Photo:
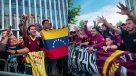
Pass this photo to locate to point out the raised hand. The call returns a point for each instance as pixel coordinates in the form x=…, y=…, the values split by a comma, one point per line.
x=31, y=16
x=24, y=19
x=124, y=9
x=95, y=23
x=101, y=19
x=85, y=22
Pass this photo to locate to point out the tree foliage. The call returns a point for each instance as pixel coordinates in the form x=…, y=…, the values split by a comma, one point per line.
x=72, y=12
x=119, y=23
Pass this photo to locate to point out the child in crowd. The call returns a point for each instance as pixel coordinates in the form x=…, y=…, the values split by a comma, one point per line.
x=109, y=45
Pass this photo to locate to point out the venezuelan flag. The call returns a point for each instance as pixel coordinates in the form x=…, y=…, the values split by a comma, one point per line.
x=55, y=43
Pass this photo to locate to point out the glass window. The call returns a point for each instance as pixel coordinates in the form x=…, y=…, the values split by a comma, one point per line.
x=66, y=9
x=38, y=19
x=65, y=3
x=0, y=22
x=38, y=11
x=26, y=10
x=20, y=3
x=37, y=4
x=5, y=1
x=20, y=7
x=20, y=11
x=48, y=13
x=57, y=6
x=12, y=1
x=47, y=4
x=58, y=19
x=38, y=8
x=54, y=22
x=32, y=11
x=43, y=5
x=43, y=12
x=26, y=3
x=0, y=8
x=6, y=21
x=52, y=7
x=15, y=33
x=32, y=3
x=14, y=23
x=6, y=9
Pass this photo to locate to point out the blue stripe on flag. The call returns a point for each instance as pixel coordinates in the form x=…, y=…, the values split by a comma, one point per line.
x=56, y=43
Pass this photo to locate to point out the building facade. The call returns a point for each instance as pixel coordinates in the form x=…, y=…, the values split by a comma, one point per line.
x=11, y=12
x=131, y=4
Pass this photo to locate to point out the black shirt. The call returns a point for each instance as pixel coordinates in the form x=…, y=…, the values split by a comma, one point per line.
x=129, y=41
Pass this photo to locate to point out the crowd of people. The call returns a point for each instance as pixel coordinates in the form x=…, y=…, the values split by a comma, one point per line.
x=30, y=40
x=107, y=36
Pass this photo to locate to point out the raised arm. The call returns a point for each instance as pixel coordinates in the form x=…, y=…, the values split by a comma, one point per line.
x=126, y=11
x=95, y=23
x=31, y=19
x=88, y=33
x=104, y=21
x=24, y=19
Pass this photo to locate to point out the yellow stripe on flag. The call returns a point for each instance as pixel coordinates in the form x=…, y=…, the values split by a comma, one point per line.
x=53, y=34
x=109, y=59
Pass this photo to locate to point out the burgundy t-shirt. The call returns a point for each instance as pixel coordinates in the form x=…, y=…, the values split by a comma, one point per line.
x=33, y=45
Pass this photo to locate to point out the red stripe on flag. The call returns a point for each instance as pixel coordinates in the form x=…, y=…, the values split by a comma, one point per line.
x=57, y=52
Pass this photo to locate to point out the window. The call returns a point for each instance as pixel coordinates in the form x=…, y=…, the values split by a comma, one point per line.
x=26, y=3
x=5, y=1
x=13, y=2
x=43, y=5
x=47, y=4
x=32, y=3
x=57, y=6
x=26, y=11
x=37, y=4
x=15, y=33
x=32, y=11
x=43, y=12
x=0, y=8
x=58, y=19
x=14, y=23
x=0, y=22
x=6, y=21
x=20, y=7
x=6, y=9
x=20, y=3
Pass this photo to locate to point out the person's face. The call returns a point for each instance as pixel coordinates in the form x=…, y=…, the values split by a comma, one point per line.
x=32, y=31
x=13, y=40
x=21, y=28
x=108, y=41
x=104, y=28
x=4, y=34
x=38, y=28
x=130, y=26
x=21, y=39
x=46, y=25
x=94, y=32
x=123, y=27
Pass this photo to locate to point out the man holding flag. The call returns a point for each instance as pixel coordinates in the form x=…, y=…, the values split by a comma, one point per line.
x=55, y=47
